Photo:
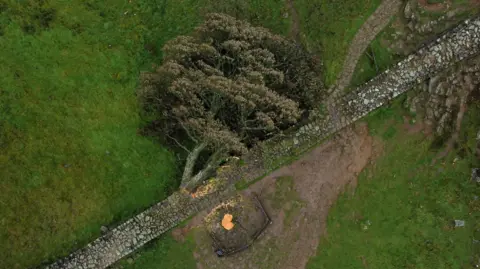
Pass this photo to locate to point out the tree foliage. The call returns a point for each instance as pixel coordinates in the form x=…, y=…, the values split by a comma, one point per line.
x=227, y=86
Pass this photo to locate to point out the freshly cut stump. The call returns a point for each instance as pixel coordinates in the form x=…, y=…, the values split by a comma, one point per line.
x=235, y=224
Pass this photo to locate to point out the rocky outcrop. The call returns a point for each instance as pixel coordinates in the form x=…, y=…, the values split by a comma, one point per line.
x=418, y=24
x=459, y=44
x=436, y=102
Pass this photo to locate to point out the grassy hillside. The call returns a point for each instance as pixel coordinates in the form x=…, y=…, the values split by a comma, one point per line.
x=165, y=252
x=401, y=214
x=328, y=27
x=70, y=156
x=71, y=159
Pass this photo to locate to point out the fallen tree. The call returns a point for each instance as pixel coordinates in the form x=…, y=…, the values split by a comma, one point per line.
x=226, y=87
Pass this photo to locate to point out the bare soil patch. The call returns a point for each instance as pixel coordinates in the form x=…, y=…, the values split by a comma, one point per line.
x=295, y=28
x=434, y=7
x=297, y=198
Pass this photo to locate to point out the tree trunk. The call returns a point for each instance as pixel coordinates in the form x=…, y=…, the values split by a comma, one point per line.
x=199, y=177
x=189, y=183
x=190, y=164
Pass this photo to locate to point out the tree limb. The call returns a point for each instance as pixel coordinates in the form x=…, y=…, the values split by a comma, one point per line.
x=256, y=128
x=179, y=144
x=208, y=171
x=187, y=131
x=190, y=163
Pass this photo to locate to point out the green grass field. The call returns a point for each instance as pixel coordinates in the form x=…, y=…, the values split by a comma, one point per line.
x=165, y=252
x=374, y=61
x=401, y=214
x=329, y=27
x=71, y=158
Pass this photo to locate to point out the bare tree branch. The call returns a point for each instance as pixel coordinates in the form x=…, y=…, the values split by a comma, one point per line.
x=190, y=163
x=256, y=128
x=179, y=144
x=187, y=131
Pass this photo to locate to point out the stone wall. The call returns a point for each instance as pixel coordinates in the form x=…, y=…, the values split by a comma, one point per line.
x=458, y=44
x=437, y=101
x=138, y=230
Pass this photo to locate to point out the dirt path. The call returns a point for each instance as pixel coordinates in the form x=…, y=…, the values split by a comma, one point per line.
x=365, y=35
x=295, y=28
x=434, y=7
x=298, y=198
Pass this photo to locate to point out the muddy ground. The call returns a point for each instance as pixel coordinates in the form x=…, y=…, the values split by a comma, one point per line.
x=298, y=198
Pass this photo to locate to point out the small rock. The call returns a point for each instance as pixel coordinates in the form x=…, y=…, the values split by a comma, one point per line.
x=130, y=261
x=459, y=223
x=476, y=175
x=407, y=12
x=295, y=141
x=104, y=229
x=66, y=165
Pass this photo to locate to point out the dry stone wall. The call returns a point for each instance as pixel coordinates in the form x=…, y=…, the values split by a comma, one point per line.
x=137, y=231
x=437, y=101
x=458, y=44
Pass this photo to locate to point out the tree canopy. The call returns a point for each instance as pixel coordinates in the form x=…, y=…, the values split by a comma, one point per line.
x=227, y=86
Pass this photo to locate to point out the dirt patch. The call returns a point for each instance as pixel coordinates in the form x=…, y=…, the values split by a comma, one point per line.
x=295, y=28
x=434, y=7
x=297, y=198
